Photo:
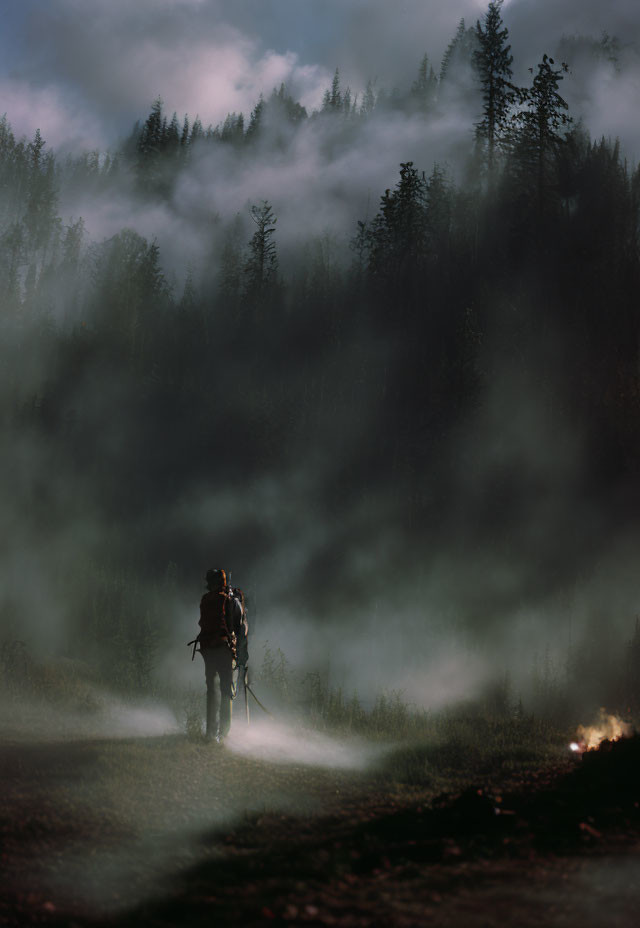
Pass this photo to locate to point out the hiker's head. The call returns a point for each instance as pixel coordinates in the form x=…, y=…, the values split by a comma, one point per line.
x=216, y=578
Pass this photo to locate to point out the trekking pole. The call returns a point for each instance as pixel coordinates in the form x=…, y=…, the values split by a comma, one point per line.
x=264, y=709
x=246, y=698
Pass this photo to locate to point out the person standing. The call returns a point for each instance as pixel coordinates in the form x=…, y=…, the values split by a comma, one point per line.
x=223, y=645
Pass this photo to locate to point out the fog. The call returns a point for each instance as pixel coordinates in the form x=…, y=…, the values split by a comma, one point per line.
x=283, y=743
x=274, y=300
x=110, y=717
x=511, y=554
x=211, y=57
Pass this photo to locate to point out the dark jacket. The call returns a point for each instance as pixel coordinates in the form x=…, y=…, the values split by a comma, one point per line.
x=223, y=622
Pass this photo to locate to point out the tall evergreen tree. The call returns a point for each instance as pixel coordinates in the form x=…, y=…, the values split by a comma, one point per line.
x=425, y=87
x=42, y=199
x=285, y=105
x=184, y=135
x=368, y=104
x=439, y=209
x=151, y=135
x=538, y=136
x=197, y=132
x=255, y=120
x=14, y=172
x=150, y=145
x=232, y=129
x=493, y=60
x=459, y=52
x=131, y=289
x=347, y=102
x=260, y=271
x=397, y=237
x=171, y=141
x=332, y=102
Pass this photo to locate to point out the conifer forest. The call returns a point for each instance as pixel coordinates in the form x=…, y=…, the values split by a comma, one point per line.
x=423, y=398
x=359, y=325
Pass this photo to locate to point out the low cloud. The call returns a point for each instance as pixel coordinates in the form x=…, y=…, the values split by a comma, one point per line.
x=105, y=64
x=63, y=117
x=87, y=70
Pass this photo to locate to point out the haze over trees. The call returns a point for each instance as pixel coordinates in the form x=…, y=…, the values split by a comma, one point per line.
x=459, y=374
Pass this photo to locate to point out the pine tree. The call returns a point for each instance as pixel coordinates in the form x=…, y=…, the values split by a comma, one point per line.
x=11, y=181
x=397, y=237
x=541, y=124
x=346, y=102
x=231, y=130
x=42, y=199
x=493, y=62
x=171, y=140
x=424, y=88
x=197, y=132
x=149, y=146
x=184, y=135
x=332, y=101
x=336, y=94
x=255, y=120
x=458, y=51
x=368, y=104
x=131, y=287
x=7, y=143
x=151, y=134
x=439, y=209
x=284, y=105
x=260, y=271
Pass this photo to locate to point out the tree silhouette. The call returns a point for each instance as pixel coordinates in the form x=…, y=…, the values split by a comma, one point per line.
x=493, y=61
x=425, y=87
x=541, y=124
x=260, y=271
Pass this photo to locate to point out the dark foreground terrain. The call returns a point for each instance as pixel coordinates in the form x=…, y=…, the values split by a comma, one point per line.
x=170, y=831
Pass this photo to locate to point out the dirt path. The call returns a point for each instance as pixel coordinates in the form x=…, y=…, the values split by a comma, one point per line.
x=96, y=826
x=164, y=831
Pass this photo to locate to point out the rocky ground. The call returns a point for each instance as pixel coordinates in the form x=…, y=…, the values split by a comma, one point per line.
x=290, y=827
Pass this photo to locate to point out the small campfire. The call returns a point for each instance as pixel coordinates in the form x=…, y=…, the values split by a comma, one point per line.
x=607, y=727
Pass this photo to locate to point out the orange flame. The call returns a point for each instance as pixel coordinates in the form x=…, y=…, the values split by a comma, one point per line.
x=607, y=727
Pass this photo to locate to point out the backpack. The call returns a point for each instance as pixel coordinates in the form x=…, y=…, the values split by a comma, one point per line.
x=215, y=621
x=240, y=625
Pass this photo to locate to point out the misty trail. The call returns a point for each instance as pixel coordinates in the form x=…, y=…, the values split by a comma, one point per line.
x=165, y=829
x=115, y=718
x=281, y=743
x=120, y=806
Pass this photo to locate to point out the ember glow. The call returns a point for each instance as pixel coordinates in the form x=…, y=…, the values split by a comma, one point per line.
x=606, y=728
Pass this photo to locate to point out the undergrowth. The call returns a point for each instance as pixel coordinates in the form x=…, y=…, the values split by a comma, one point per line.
x=492, y=734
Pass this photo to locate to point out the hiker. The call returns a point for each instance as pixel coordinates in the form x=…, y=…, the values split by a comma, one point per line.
x=223, y=645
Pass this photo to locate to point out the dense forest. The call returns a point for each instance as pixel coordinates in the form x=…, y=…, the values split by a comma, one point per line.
x=431, y=417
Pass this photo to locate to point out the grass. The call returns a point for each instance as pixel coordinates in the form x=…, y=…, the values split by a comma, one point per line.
x=465, y=745
x=491, y=736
